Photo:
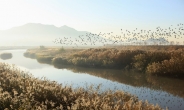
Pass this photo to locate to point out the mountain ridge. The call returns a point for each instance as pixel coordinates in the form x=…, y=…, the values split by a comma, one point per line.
x=38, y=32
x=35, y=34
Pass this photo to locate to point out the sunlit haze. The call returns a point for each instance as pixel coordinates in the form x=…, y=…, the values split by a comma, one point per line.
x=93, y=16
x=92, y=54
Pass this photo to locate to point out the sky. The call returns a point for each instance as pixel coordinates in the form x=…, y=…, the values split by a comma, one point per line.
x=92, y=15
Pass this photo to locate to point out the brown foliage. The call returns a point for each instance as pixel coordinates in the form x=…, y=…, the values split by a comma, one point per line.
x=19, y=90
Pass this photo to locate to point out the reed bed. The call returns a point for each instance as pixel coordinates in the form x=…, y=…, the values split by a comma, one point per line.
x=20, y=90
x=170, y=67
x=157, y=60
x=98, y=58
x=44, y=59
x=30, y=55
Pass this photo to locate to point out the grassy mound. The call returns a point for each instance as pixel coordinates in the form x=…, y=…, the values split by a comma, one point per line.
x=19, y=90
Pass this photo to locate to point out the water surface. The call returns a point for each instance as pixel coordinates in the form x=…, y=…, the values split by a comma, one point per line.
x=167, y=92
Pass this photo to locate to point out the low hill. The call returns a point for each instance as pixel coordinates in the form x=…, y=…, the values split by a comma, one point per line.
x=33, y=34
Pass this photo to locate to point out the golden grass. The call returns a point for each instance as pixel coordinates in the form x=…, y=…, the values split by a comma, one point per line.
x=19, y=90
x=44, y=59
x=154, y=60
x=173, y=66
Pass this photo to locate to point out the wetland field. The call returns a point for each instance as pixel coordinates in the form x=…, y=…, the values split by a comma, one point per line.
x=91, y=55
x=95, y=78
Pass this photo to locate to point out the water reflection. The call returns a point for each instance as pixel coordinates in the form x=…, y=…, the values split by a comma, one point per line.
x=151, y=88
x=126, y=77
x=173, y=86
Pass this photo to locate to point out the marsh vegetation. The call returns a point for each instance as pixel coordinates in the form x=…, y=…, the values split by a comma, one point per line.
x=20, y=90
x=157, y=90
x=153, y=60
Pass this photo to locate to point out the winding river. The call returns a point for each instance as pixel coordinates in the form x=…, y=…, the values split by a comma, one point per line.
x=167, y=92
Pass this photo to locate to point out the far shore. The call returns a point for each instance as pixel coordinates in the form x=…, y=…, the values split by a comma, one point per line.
x=152, y=60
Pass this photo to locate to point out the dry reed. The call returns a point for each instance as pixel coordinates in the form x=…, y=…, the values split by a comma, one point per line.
x=20, y=90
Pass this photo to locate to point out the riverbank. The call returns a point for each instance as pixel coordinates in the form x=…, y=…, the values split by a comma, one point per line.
x=19, y=90
x=153, y=60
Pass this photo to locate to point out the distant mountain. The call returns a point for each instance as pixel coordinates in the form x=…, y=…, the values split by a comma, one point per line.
x=66, y=28
x=34, y=34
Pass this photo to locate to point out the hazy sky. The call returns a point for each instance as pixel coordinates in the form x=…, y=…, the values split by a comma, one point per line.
x=92, y=15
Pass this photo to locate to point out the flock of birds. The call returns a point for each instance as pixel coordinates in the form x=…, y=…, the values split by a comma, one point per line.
x=136, y=37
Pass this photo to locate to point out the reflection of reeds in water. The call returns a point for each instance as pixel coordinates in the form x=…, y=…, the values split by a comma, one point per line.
x=6, y=56
x=122, y=76
x=19, y=90
x=132, y=78
x=173, y=86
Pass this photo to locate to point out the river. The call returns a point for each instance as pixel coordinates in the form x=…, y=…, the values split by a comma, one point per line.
x=167, y=92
